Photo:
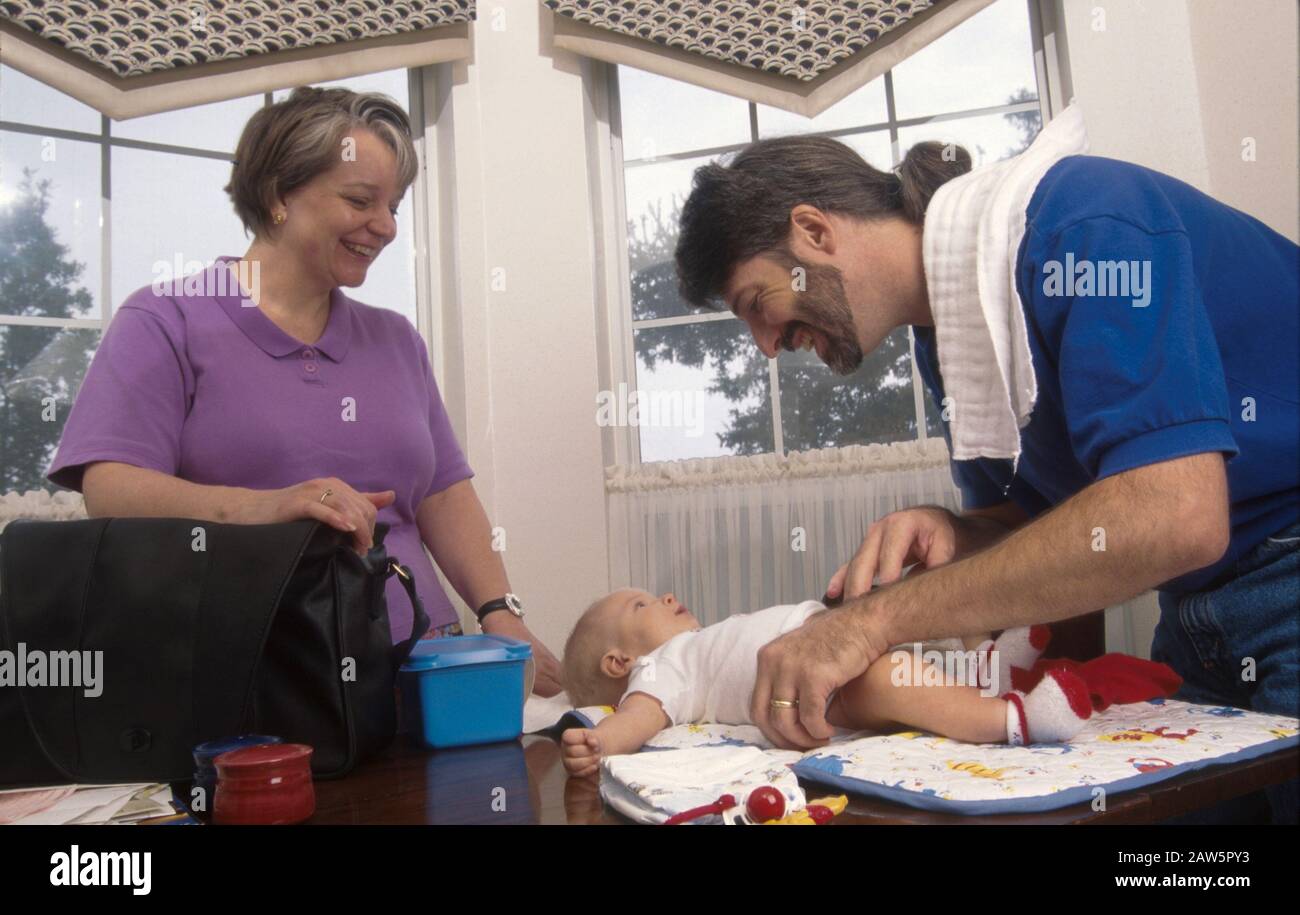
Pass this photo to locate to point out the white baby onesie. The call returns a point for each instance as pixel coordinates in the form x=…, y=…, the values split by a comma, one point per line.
x=707, y=675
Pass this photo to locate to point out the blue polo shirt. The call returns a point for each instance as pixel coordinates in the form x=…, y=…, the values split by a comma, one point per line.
x=1189, y=347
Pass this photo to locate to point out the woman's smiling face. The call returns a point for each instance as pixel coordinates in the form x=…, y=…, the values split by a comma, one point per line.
x=340, y=220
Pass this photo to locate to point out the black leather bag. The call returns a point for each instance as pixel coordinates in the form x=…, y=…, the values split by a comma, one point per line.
x=206, y=630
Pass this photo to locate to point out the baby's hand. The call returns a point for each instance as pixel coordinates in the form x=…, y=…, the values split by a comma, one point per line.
x=581, y=751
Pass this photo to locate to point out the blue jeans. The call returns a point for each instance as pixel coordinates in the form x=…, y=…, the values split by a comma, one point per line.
x=1206, y=636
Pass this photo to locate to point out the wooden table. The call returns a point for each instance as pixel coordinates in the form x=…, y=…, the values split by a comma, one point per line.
x=524, y=782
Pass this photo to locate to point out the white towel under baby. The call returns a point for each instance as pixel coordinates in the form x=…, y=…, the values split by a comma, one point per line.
x=651, y=786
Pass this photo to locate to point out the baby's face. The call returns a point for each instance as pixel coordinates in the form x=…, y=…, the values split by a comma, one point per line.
x=640, y=622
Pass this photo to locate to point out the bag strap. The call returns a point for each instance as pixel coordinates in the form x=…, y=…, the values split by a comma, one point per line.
x=419, y=620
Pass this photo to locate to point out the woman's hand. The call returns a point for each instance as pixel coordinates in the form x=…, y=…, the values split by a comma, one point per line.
x=927, y=535
x=549, y=679
x=344, y=508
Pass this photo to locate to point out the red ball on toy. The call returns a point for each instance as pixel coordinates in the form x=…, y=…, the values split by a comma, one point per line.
x=765, y=804
x=820, y=815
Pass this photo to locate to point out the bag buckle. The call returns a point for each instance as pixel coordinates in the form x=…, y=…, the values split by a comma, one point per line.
x=395, y=566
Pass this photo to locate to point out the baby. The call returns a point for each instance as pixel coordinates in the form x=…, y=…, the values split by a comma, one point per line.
x=649, y=656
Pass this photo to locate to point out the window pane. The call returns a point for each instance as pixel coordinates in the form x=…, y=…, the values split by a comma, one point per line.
x=663, y=116
x=70, y=211
x=215, y=126
x=390, y=281
x=655, y=194
x=152, y=232
x=702, y=392
x=29, y=101
x=864, y=106
x=820, y=409
x=982, y=62
x=37, y=363
x=987, y=138
x=873, y=147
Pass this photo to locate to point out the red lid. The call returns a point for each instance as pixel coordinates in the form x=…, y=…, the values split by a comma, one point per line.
x=269, y=756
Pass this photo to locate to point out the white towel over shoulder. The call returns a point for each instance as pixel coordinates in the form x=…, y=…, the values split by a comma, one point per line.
x=973, y=228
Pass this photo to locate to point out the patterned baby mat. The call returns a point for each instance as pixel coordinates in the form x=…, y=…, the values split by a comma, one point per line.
x=1121, y=749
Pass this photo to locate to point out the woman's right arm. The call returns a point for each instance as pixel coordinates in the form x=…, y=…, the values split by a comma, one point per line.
x=114, y=489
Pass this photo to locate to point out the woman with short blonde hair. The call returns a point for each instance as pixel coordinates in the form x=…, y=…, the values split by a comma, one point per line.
x=257, y=392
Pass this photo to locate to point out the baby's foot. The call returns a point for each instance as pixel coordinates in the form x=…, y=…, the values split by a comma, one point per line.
x=1019, y=647
x=1054, y=710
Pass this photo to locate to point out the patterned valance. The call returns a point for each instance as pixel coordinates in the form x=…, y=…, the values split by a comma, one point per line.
x=799, y=40
x=801, y=55
x=128, y=57
x=131, y=37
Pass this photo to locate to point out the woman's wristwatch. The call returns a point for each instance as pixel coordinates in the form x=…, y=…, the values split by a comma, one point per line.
x=509, y=602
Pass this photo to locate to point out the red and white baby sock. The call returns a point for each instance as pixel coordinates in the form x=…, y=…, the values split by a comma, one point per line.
x=1053, y=711
x=1019, y=647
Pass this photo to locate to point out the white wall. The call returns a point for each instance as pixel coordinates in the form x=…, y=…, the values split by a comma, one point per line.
x=1176, y=85
x=1245, y=55
x=515, y=343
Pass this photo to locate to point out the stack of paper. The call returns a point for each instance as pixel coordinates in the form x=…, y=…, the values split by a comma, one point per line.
x=84, y=804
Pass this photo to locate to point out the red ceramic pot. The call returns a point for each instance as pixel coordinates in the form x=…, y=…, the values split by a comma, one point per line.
x=264, y=786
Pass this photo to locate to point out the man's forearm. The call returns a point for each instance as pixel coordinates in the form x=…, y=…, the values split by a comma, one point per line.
x=975, y=532
x=1115, y=539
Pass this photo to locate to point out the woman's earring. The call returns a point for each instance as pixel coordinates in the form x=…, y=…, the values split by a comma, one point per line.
x=279, y=218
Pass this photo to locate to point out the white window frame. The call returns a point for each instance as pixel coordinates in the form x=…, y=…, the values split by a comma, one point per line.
x=623, y=444
x=107, y=142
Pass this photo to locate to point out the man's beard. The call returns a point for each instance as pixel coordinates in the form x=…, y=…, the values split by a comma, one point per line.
x=824, y=306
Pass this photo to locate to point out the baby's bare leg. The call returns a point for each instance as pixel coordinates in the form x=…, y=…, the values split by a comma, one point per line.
x=872, y=701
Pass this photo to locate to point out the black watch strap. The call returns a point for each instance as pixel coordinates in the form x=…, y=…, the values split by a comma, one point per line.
x=501, y=603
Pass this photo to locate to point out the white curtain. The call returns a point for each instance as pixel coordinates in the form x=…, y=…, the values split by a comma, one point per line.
x=41, y=505
x=731, y=535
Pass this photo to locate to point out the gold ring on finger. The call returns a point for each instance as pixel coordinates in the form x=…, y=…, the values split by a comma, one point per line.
x=325, y=495
x=784, y=703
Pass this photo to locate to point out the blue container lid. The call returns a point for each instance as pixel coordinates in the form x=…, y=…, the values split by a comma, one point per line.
x=460, y=650
x=205, y=753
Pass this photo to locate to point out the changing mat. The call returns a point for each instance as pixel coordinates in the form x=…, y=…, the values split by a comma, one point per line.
x=1121, y=749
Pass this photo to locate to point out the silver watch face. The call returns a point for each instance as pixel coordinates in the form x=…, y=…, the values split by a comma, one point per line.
x=515, y=604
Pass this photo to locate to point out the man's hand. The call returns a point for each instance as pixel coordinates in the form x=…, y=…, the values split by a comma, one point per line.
x=927, y=534
x=807, y=665
x=550, y=677
x=581, y=751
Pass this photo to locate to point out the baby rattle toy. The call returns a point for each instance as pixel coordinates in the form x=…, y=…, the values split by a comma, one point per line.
x=765, y=805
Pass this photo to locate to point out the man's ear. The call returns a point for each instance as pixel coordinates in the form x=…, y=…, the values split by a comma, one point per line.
x=811, y=230
x=616, y=664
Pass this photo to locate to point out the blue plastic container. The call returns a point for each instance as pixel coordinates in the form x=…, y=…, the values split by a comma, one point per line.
x=464, y=690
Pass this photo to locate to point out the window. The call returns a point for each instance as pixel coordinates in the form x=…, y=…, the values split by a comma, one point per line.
x=975, y=86
x=148, y=191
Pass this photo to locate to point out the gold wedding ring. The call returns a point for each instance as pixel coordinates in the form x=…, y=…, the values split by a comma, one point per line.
x=784, y=703
x=325, y=495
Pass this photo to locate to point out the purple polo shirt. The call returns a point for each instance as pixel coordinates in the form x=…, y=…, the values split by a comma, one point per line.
x=202, y=387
